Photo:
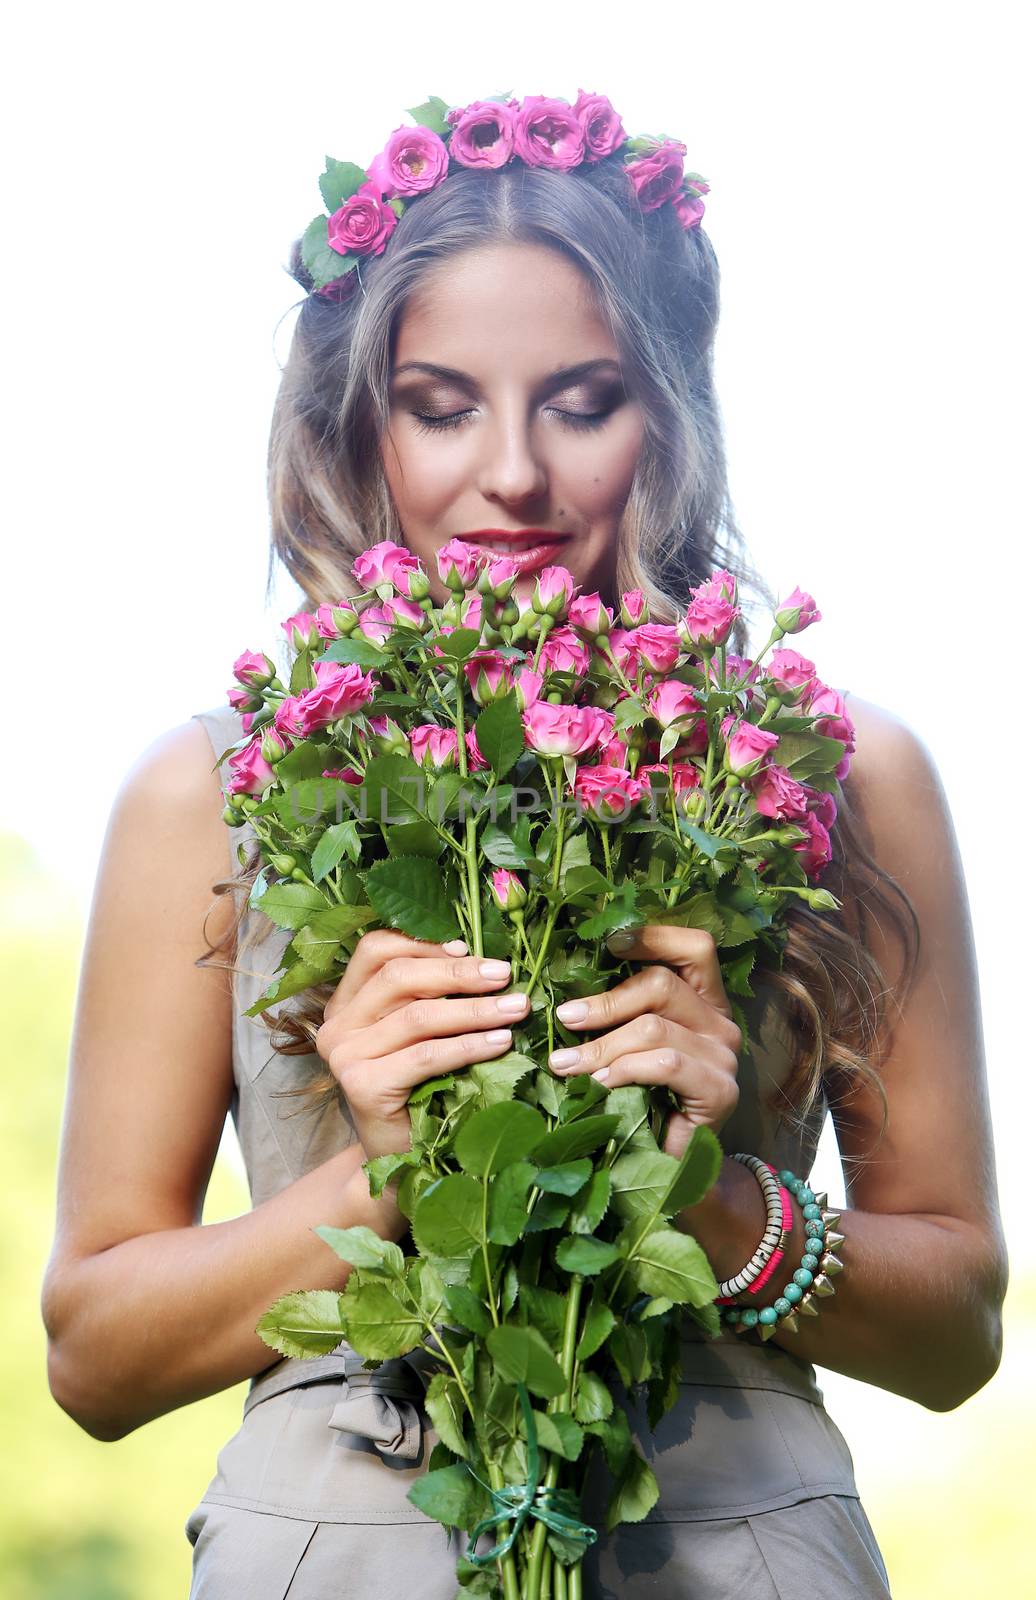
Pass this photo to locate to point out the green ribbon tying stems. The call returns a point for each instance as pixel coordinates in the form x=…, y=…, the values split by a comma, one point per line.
x=558, y=1508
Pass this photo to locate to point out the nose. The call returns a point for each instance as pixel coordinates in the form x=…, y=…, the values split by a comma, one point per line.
x=512, y=471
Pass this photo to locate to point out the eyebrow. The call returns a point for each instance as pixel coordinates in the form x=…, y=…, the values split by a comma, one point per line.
x=582, y=369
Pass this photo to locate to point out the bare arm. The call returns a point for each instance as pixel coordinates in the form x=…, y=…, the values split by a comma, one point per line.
x=917, y=1309
x=145, y=1310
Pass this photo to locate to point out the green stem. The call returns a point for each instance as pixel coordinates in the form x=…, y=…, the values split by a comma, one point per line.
x=559, y=1402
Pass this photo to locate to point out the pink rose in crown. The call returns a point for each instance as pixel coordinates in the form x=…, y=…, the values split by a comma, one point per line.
x=385, y=562
x=433, y=747
x=689, y=208
x=778, y=795
x=547, y=133
x=747, y=748
x=249, y=773
x=340, y=690
x=815, y=849
x=553, y=730
x=483, y=134
x=657, y=177
x=601, y=124
x=564, y=651
x=361, y=226
x=413, y=161
x=607, y=792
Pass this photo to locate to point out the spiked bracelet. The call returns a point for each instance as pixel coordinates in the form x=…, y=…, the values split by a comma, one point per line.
x=811, y=1281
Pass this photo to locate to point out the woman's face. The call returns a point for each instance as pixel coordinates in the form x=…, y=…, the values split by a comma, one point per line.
x=508, y=414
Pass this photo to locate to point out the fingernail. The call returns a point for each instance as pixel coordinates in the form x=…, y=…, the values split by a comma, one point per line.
x=456, y=947
x=511, y=1002
x=601, y=1074
x=495, y=969
x=563, y=1058
x=619, y=941
x=498, y=1036
x=573, y=1011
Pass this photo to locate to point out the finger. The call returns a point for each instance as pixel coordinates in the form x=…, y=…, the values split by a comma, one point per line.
x=659, y=990
x=668, y=1044
x=434, y=1018
x=404, y=1069
x=376, y=949
x=691, y=951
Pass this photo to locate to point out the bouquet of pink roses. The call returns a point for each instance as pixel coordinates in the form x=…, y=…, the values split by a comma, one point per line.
x=531, y=781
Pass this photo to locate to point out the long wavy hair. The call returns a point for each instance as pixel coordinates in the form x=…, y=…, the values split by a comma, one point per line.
x=657, y=286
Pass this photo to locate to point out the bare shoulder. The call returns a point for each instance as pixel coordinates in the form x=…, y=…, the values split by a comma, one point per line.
x=896, y=787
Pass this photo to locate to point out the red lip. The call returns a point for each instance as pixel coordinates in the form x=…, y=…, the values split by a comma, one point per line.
x=543, y=535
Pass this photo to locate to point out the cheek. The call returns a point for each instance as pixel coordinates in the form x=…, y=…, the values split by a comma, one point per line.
x=598, y=476
x=421, y=474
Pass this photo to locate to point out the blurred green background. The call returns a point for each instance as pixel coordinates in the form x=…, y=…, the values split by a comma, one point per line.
x=948, y=1495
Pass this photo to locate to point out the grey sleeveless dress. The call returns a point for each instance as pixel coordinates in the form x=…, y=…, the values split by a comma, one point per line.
x=308, y=1502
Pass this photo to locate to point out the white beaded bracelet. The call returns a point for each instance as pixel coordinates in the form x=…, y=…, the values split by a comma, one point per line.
x=773, y=1238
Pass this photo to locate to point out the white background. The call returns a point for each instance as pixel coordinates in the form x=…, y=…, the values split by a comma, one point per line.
x=870, y=206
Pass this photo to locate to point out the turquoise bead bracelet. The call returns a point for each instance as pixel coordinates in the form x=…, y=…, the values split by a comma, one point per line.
x=811, y=1280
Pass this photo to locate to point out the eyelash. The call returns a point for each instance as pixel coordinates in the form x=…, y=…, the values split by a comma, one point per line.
x=571, y=419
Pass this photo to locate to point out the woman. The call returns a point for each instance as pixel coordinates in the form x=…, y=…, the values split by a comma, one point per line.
x=519, y=349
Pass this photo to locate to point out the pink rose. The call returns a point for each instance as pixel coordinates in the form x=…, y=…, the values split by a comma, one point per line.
x=340, y=690
x=657, y=177
x=672, y=701
x=249, y=773
x=791, y=674
x=343, y=774
x=657, y=644
x=601, y=124
x=615, y=752
x=362, y=225
x=738, y=668
x=547, y=133
x=710, y=615
x=376, y=623
x=483, y=134
x=289, y=718
x=777, y=794
x=833, y=721
x=553, y=730
x=633, y=611
x=528, y=686
x=498, y=576
x=254, y=669
x=815, y=849
x=433, y=747
x=797, y=612
x=339, y=290
x=413, y=161
x=385, y=562
x=507, y=889
x=243, y=702
x=564, y=651
x=459, y=563
x=825, y=806
x=488, y=675
x=405, y=613
x=747, y=747
x=606, y=792
x=476, y=760
x=553, y=591
x=590, y=616
x=302, y=631
x=689, y=208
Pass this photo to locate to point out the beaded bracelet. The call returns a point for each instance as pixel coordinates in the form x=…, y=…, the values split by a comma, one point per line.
x=772, y=1245
x=810, y=1281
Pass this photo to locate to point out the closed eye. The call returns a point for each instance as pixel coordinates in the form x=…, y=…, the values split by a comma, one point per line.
x=569, y=419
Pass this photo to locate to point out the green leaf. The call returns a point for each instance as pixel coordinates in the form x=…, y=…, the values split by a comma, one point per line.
x=450, y=1496
x=669, y=1263
x=508, y=1202
x=591, y=1203
x=615, y=1436
x=545, y=1309
x=580, y=1252
x=521, y=1355
x=359, y=651
x=631, y=1104
x=305, y=1323
x=495, y=1080
x=258, y=889
x=339, y=182
x=508, y=847
x=710, y=844
x=447, y=1219
x=566, y=1179
x=432, y=114
x=467, y=1309
x=298, y=977
x=376, y=1322
x=736, y=973
x=598, y=1324
x=322, y=263
x=415, y=839
x=634, y=1494
x=550, y=1211
x=381, y=1170
x=291, y=905
x=319, y=943
x=805, y=754
x=444, y=1405
x=696, y=1171
x=408, y=892
x=459, y=645
x=333, y=844
x=574, y=1139
x=314, y=802
x=640, y=1181
x=493, y=1138
x=395, y=790
x=558, y=1431
x=362, y=1247
x=500, y=732
x=593, y=1399
x=628, y=1348
x=302, y=677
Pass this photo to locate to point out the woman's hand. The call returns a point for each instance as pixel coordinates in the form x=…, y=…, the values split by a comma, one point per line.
x=387, y=1028
x=675, y=1027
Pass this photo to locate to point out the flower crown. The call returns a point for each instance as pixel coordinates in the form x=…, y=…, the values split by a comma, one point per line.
x=363, y=207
